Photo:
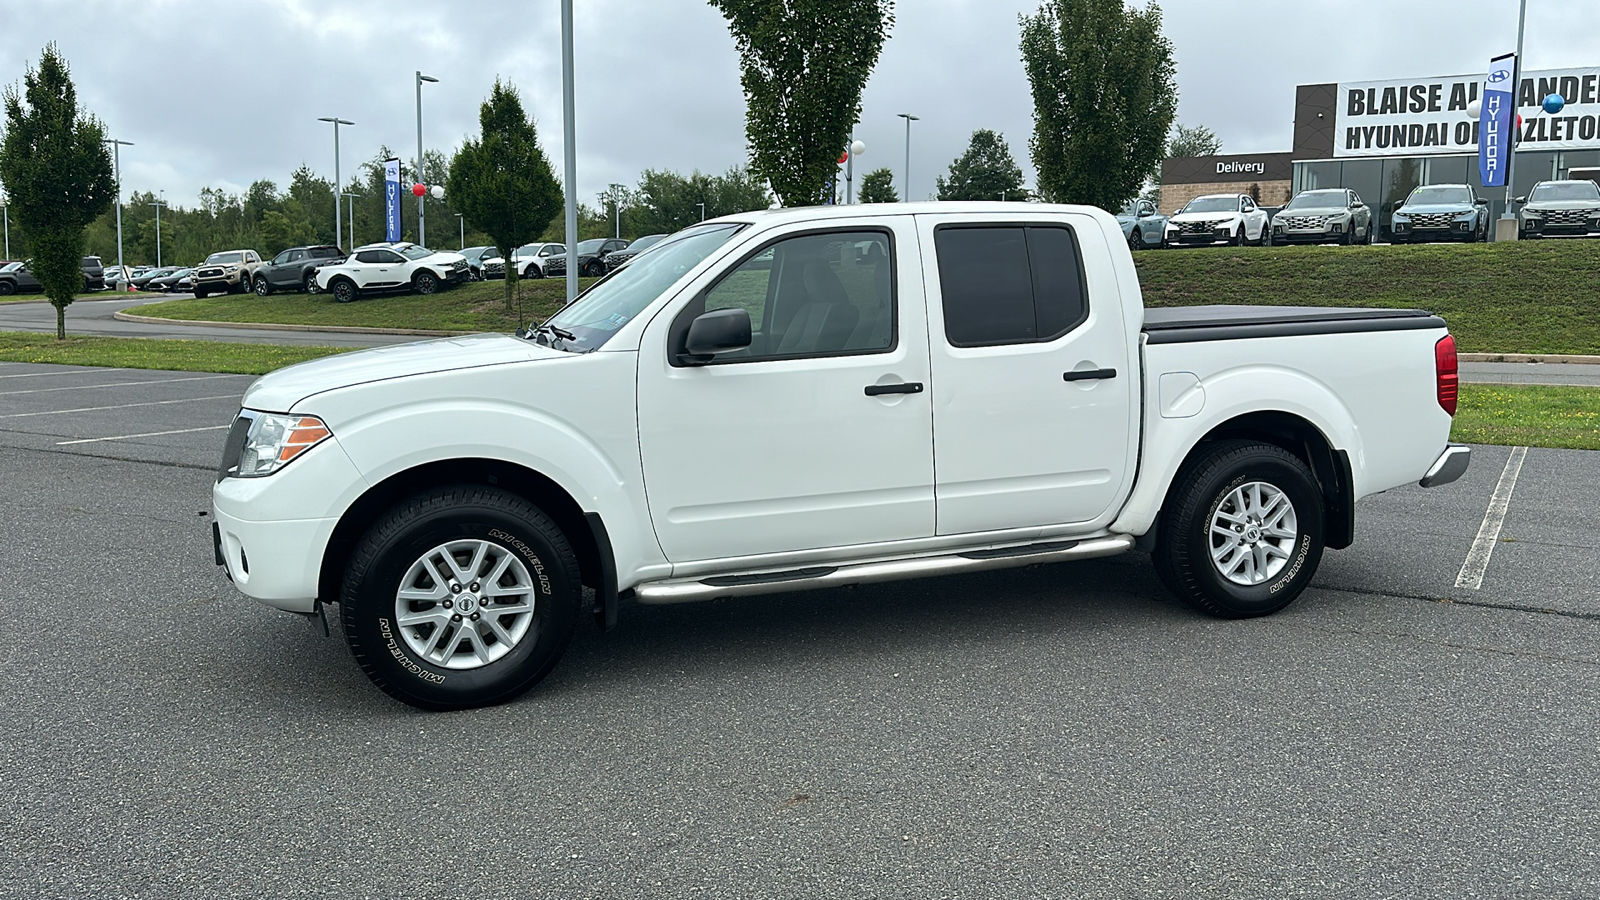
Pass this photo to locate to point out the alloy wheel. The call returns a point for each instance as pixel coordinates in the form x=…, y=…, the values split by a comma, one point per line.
x=465, y=604
x=1253, y=533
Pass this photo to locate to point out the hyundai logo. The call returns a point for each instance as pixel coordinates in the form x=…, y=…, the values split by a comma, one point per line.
x=1498, y=76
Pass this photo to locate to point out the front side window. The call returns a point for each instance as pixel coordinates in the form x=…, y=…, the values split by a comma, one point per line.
x=809, y=295
x=281, y=258
x=1009, y=284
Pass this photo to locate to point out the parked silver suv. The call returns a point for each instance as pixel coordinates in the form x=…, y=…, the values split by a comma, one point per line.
x=1317, y=217
x=1559, y=207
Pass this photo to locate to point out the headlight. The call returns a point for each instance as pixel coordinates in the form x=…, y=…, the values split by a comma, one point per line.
x=230, y=269
x=272, y=441
x=1532, y=213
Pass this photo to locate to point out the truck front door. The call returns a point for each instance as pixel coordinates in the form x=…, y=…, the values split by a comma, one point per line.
x=1035, y=376
x=820, y=434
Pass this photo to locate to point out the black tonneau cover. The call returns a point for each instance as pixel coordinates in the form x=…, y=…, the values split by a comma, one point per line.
x=1187, y=324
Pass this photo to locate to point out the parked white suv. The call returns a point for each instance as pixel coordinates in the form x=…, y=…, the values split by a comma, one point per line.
x=531, y=260
x=756, y=405
x=401, y=266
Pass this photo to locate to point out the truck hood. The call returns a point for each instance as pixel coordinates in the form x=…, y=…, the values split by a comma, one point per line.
x=279, y=391
x=1428, y=209
x=1561, y=204
x=1313, y=211
x=1204, y=217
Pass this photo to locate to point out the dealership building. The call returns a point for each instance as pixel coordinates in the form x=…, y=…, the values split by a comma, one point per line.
x=1384, y=138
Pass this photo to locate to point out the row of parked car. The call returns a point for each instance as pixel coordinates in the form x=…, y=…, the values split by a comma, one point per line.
x=596, y=257
x=1435, y=212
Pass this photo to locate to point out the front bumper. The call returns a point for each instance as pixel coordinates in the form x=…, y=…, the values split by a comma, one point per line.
x=1450, y=465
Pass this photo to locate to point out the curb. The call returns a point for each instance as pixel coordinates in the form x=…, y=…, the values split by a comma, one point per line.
x=124, y=316
x=1567, y=358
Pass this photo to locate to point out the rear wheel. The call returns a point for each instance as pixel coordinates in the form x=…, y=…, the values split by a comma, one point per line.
x=344, y=290
x=462, y=596
x=310, y=283
x=1242, y=531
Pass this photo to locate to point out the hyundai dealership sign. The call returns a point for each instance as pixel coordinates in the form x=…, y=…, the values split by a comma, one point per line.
x=1415, y=117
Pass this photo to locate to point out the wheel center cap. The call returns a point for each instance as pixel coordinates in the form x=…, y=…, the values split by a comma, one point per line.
x=466, y=604
x=1252, y=534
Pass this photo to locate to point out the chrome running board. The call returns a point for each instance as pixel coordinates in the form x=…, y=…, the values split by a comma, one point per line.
x=818, y=577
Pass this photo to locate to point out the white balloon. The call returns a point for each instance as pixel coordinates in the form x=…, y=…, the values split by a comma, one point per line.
x=857, y=148
x=1474, y=109
x=438, y=192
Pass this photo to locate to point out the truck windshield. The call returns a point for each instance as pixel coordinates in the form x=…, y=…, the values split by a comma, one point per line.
x=1319, y=200
x=1423, y=195
x=1212, y=204
x=416, y=252
x=603, y=309
x=1571, y=190
x=219, y=259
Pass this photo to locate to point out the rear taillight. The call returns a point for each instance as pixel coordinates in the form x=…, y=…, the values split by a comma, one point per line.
x=1445, y=373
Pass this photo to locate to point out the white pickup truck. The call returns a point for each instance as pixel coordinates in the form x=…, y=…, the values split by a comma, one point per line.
x=810, y=398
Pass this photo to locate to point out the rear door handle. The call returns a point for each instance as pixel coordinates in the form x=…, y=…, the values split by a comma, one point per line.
x=909, y=387
x=1089, y=375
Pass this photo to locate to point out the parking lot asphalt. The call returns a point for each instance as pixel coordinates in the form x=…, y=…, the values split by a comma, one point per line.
x=1065, y=731
x=95, y=317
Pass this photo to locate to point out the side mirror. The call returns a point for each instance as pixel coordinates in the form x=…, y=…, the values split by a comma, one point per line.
x=1357, y=205
x=718, y=331
x=1480, y=202
x=1519, y=200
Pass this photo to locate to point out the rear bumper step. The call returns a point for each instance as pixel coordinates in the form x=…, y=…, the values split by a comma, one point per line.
x=1450, y=465
x=739, y=585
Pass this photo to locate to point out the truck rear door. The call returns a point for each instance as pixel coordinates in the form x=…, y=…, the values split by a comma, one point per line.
x=1035, y=379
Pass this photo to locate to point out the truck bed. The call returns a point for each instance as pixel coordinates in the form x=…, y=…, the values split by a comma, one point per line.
x=1190, y=324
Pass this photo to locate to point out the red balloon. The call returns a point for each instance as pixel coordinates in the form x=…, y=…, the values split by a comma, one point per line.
x=844, y=157
x=419, y=189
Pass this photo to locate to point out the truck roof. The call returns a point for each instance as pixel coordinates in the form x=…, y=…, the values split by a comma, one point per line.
x=995, y=208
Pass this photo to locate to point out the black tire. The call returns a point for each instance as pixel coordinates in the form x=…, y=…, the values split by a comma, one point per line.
x=1183, y=555
x=1136, y=239
x=1238, y=239
x=263, y=287
x=7, y=288
x=425, y=282
x=344, y=290
x=309, y=285
x=533, y=271
x=201, y=293
x=415, y=529
x=592, y=270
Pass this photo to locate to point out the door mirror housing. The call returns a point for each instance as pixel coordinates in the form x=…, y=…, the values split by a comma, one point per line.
x=1357, y=205
x=718, y=331
x=1519, y=200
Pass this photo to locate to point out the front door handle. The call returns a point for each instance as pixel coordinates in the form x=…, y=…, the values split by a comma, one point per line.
x=1089, y=375
x=909, y=387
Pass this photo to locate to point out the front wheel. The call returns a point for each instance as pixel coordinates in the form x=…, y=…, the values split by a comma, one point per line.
x=425, y=283
x=1242, y=531
x=1135, y=239
x=462, y=596
x=262, y=287
x=592, y=270
x=1238, y=239
x=7, y=288
x=201, y=293
x=533, y=272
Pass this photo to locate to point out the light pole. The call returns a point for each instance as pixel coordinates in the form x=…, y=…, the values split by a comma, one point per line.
x=615, y=190
x=336, y=123
x=421, y=227
x=462, y=221
x=906, y=197
x=5, y=210
x=702, y=211
x=856, y=149
x=116, y=156
x=569, y=108
x=158, y=204
x=1516, y=91
x=351, y=206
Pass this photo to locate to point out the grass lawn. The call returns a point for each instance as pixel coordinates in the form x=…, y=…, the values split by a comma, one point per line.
x=1529, y=415
x=144, y=353
x=1523, y=297
x=479, y=306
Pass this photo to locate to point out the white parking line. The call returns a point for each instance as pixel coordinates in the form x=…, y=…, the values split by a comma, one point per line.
x=1477, y=563
x=124, y=437
x=91, y=387
x=82, y=409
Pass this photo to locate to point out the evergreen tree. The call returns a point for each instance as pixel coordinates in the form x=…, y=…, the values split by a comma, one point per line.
x=877, y=186
x=986, y=171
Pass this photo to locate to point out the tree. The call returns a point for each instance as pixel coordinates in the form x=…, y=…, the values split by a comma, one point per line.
x=54, y=164
x=804, y=65
x=1196, y=141
x=666, y=201
x=503, y=182
x=986, y=171
x=1103, y=98
x=877, y=186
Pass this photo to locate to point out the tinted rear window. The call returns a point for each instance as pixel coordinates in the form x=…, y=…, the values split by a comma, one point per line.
x=1009, y=285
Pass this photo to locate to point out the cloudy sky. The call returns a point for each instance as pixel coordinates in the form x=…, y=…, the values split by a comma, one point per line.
x=222, y=92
